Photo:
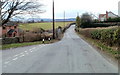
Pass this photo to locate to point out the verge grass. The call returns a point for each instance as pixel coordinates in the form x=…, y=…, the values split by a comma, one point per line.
x=102, y=46
x=15, y=45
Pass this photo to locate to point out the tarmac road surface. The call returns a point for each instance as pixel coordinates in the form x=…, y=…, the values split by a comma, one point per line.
x=70, y=55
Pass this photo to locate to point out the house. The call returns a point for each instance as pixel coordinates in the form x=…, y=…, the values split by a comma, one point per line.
x=10, y=29
x=103, y=17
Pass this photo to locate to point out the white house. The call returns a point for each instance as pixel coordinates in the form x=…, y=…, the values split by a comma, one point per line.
x=103, y=17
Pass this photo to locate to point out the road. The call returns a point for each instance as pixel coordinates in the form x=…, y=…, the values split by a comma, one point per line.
x=70, y=55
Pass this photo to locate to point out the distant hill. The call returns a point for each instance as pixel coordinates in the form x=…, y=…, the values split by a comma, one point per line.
x=49, y=20
x=43, y=19
x=70, y=19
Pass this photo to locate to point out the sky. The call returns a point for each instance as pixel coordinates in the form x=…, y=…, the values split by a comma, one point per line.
x=73, y=7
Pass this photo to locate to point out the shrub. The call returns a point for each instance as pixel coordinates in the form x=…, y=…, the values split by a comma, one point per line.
x=113, y=19
x=117, y=36
x=96, y=34
x=8, y=40
x=108, y=36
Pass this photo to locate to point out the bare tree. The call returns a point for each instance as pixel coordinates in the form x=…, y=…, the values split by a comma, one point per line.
x=13, y=8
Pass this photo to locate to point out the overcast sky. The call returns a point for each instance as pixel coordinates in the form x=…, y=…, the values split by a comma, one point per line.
x=72, y=7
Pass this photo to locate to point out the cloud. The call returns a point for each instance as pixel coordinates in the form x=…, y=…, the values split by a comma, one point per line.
x=73, y=6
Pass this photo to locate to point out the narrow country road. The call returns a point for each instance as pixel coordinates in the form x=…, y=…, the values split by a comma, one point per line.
x=70, y=55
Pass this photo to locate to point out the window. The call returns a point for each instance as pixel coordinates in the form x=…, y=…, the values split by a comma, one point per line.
x=4, y=27
x=15, y=27
x=9, y=26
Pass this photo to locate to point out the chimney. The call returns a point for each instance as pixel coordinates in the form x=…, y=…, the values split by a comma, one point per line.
x=107, y=15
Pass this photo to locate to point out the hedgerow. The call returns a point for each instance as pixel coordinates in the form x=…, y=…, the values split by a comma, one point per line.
x=107, y=39
x=110, y=37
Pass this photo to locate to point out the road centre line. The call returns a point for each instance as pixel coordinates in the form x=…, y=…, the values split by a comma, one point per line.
x=15, y=58
x=25, y=51
x=22, y=55
x=7, y=62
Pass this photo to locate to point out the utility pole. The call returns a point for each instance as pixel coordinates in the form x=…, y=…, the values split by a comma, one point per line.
x=64, y=18
x=0, y=13
x=53, y=22
x=77, y=13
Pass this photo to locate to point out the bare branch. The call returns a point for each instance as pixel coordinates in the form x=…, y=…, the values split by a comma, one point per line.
x=16, y=7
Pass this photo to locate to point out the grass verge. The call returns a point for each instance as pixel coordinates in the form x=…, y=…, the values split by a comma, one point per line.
x=15, y=45
x=101, y=46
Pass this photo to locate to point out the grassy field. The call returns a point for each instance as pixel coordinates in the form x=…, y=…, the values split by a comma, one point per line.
x=45, y=26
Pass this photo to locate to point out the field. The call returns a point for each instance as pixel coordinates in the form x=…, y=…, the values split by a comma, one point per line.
x=45, y=25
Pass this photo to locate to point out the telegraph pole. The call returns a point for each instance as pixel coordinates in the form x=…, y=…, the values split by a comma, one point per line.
x=0, y=13
x=53, y=22
x=77, y=13
x=64, y=18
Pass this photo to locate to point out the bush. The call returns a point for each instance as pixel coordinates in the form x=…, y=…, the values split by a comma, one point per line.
x=108, y=36
x=117, y=36
x=113, y=19
x=106, y=39
x=96, y=34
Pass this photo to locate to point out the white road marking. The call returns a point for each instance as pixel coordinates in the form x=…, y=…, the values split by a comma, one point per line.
x=25, y=51
x=31, y=51
x=22, y=55
x=16, y=55
x=15, y=58
x=7, y=62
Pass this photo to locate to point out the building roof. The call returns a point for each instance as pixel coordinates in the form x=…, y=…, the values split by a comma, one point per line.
x=113, y=14
x=10, y=24
x=11, y=31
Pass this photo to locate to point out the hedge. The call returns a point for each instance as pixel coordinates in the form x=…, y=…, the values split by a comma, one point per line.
x=94, y=25
x=10, y=40
x=109, y=36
